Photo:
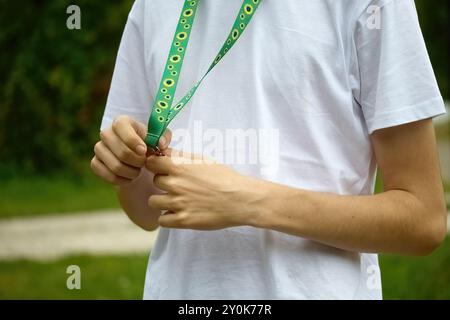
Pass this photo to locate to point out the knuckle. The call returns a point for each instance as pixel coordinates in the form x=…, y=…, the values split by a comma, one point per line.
x=124, y=154
x=117, y=168
x=169, y=181
x=182, y=219
x=172, y=184
x=178, y=203
x=159, y=178
x=151, y=166
x=156, y=179
x=94, y=164
x=163, y=223
x=104, y=134
x=168, y=135
x=97, y=147
x=120, y=119
x=118, y=122
x=177, y=169
x=130, y=140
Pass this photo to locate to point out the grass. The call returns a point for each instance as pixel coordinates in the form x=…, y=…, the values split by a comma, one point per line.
x=26, y=196
x=101, y=278
x=417, y=277
x=123, y=277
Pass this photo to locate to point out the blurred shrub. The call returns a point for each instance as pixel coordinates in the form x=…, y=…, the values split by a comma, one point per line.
x=54, y=81
x=435, y=21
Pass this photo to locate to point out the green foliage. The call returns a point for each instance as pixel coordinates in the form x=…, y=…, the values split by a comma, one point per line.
x=434, y=19
x=54, y=81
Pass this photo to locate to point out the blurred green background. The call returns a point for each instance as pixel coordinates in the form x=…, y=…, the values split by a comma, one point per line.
x=54, y=84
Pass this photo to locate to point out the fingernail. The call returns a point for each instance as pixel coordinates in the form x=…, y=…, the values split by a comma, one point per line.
x=162, y=141
x=141, y=149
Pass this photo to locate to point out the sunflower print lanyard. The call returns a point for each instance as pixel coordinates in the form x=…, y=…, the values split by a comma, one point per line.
x=164, y=111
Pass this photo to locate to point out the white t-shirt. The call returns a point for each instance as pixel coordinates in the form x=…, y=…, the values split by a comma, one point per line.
x=319, y=76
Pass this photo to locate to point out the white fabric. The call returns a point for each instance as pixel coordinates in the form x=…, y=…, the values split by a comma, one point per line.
x=316, y=72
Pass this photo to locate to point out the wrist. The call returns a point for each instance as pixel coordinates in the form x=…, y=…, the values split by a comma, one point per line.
x=255, y=203
x=279, y=206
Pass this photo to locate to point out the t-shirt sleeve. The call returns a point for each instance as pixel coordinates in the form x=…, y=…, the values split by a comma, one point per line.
x=397, y=84
x=129, y=92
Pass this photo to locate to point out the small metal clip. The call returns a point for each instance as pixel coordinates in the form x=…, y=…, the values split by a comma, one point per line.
x=157, y=151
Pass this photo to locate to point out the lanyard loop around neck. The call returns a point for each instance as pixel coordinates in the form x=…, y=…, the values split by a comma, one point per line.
x=164, y=110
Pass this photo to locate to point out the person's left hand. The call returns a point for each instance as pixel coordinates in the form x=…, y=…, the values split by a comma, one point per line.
x=202, y=194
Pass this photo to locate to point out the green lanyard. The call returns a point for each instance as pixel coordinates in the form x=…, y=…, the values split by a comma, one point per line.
x=163, y=110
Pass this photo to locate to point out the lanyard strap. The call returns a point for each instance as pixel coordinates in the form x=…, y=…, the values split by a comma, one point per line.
x=163, y=110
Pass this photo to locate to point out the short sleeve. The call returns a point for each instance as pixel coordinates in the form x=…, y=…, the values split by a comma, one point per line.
x=129, y=93
x=397, y=84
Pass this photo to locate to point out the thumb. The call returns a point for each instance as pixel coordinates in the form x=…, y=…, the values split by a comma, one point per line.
x=165, y=140
x=140, y=128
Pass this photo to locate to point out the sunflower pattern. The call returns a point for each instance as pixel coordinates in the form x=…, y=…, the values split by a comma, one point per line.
x=164, y=110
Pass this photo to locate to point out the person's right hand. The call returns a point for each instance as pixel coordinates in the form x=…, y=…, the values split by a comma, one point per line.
x=121, y=153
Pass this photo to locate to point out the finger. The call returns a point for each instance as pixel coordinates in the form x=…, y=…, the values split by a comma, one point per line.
x=167, y=152
x=162, y=182
x=104, y=173
x=165, y=140
x=177, y=154
x=132, y=133
x=120, y=150
x=183, y=157
x=113, y=164
x=173, y=220
x=159, y=165
x=161, y=202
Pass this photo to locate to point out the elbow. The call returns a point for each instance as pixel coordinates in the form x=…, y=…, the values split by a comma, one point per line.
x=430, y=242
x=430, y=234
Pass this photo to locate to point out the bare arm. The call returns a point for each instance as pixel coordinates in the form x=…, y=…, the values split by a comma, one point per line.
x=409, y=217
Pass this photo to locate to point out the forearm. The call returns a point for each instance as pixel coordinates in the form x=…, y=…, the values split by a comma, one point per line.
x=134, y=201
x=392, y=222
